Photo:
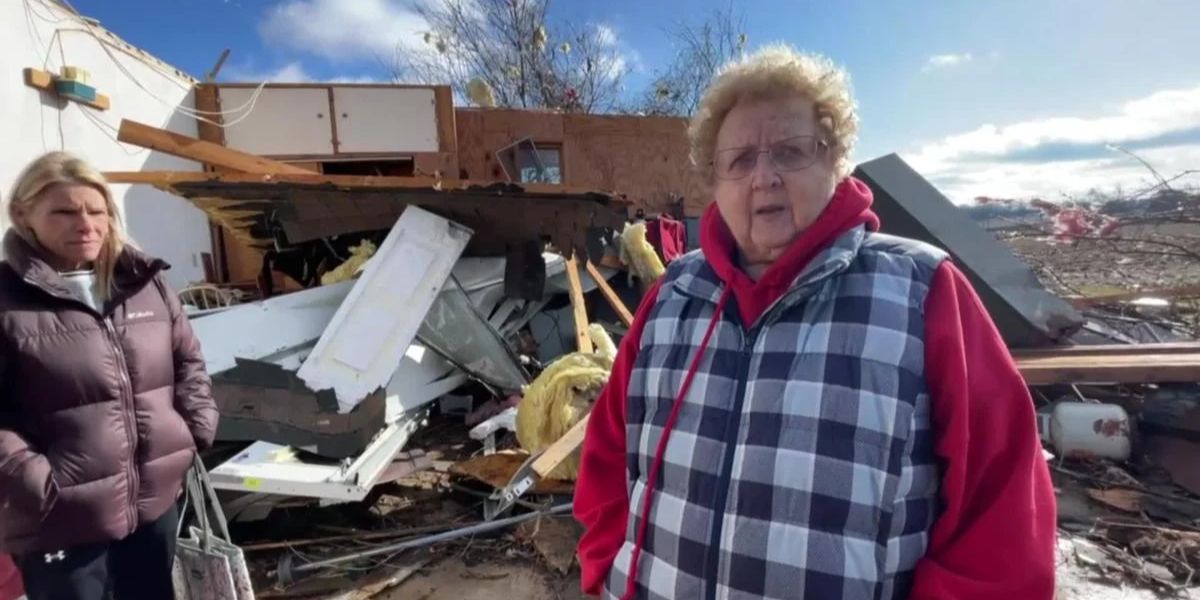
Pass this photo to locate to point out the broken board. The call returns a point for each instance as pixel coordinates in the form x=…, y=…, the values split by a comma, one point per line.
x=372, y=329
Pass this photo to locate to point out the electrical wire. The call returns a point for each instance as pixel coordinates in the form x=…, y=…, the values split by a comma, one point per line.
x=245, y=109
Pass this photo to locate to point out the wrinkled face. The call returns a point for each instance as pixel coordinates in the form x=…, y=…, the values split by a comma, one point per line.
x=70, y=222
x=767, y=199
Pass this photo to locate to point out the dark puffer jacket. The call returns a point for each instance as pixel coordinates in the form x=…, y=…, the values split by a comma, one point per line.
x=100, y=414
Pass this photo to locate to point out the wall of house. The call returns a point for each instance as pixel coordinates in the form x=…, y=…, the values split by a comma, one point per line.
x=42, y=34
x=644, y=158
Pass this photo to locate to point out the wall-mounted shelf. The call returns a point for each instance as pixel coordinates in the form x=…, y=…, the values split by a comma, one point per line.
x=44, y=80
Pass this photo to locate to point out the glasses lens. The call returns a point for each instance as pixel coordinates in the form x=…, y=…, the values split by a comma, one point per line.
x=794, y=154
x=735, y=163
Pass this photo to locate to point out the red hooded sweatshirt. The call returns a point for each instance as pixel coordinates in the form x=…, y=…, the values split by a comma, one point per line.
x=995, y=489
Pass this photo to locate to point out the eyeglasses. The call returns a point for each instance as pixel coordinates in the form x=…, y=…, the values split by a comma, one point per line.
x=792, y=154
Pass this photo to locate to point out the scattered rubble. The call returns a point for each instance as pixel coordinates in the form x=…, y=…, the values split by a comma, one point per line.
x=404, y=426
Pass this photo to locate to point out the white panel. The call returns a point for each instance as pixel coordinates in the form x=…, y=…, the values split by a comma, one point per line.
x=371, y=119
x=283, y=121
x=267, y=468
x=262, y=329
x=368, y=337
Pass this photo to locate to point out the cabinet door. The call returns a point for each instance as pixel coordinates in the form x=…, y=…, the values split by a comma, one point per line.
x=282, y=122
x=381, y=119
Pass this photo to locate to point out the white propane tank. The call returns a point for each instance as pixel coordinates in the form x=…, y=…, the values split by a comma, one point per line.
x=1084, y=429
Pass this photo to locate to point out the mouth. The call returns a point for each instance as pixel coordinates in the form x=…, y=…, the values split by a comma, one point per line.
x=770, y=211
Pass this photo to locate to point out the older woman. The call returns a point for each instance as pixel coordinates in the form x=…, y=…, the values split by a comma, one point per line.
x=104, y=400
x=807, y=408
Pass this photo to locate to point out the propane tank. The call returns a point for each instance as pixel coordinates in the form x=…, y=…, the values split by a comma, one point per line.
x=1086, y=429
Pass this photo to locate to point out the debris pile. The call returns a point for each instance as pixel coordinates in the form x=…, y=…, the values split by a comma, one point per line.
x=423, y=390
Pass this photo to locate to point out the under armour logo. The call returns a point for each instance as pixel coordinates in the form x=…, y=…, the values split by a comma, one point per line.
x=57, y=556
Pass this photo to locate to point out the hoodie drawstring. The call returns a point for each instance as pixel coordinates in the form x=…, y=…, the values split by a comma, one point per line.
x=630, y=586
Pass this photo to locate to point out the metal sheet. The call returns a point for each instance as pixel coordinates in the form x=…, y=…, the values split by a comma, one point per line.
x=368, y=336
x=263, y=329
x=456, y=330
x=1026, y=313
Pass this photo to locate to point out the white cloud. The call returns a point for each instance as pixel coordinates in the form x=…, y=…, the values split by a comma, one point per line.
x=344, y=30
x=606, y=35
x=945, y=61
x=292, y=72
x=1068, y=155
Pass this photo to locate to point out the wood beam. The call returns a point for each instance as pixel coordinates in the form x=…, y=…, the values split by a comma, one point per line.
x=169, y=142
x=1134, y=363
x=348, y=181
x=610, y=294
x=582, y=339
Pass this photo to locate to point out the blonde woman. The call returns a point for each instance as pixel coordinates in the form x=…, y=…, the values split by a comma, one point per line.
x=806, y=408
x=104, y=396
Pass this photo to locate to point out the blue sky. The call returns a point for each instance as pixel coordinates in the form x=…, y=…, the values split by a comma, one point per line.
x=1014, y=98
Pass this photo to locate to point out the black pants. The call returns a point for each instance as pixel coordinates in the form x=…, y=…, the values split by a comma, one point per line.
x=135, y=568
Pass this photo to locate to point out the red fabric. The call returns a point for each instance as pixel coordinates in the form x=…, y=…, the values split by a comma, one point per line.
x=668, y=236
x=849, y=207
x=996, y=487
x=601, y=491
x=10, y=579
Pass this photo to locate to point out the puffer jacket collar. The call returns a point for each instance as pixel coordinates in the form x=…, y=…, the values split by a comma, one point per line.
x=134, y=269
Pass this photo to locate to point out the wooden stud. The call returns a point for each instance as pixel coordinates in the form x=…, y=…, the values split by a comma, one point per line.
x=580, y=310
x=172, y=143
x=562, y=448
x=208, y=101
x=609, y=294
x=333, y=117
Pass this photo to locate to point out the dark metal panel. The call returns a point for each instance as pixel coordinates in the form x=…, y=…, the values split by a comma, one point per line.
x=1026, y=313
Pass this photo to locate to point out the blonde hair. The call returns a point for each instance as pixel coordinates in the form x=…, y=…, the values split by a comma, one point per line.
x=55, y=168
x=778, y=71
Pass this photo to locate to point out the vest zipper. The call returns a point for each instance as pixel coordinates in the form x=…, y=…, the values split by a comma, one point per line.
x=127, y=405
x=713, y=563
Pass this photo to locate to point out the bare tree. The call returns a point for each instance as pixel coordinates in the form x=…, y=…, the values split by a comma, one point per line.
x=508, y=51
x=700, y=51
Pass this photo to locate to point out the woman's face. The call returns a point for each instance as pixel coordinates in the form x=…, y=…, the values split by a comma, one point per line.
x=70, y=222
x=767, y=202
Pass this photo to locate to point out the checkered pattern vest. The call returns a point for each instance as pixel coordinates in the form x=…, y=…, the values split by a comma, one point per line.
x=801, y=464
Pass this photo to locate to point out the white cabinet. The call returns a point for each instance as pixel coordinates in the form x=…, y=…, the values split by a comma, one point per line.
x=385, y=119
x=284, y=121
x=302, y=121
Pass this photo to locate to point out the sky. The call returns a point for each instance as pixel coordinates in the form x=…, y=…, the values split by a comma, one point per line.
x=1014, y=99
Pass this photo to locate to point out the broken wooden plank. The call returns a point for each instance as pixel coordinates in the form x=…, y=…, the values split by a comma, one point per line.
x=609, y=294
x=582, y=339
x=169, y=142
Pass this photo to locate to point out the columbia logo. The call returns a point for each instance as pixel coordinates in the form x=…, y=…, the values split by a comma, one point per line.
x=145, y=314
x=55, y=557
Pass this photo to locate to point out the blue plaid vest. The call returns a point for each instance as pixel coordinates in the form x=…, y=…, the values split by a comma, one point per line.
x=801, y=464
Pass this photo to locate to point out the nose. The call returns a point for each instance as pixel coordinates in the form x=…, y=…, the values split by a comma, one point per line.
x=765, y=175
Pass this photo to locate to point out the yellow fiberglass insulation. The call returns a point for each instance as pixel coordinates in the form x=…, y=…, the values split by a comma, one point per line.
x=561, y=395
x=637, y=252
x=359, y=255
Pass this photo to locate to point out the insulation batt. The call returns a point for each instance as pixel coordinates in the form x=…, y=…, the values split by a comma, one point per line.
x=639, y=254
x=359, y=255
x=561, y=396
